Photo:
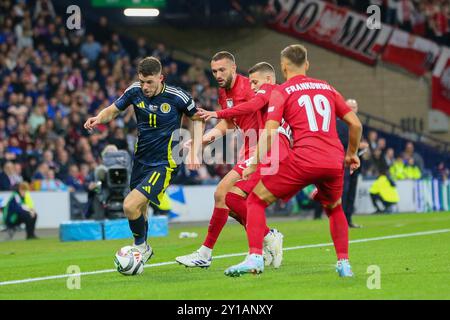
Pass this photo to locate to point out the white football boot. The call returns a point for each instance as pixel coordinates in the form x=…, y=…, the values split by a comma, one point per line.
x=145, y=250
x=273, y=248
x=194, y=260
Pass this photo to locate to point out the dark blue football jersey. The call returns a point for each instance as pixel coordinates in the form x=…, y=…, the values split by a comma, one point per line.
x=158, y=118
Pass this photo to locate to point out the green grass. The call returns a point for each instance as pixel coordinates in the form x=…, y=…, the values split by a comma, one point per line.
x=411, y=268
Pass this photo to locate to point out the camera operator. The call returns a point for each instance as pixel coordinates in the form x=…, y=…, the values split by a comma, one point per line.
x=108, y=184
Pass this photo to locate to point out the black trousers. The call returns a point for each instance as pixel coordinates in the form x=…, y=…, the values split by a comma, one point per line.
x=377, y=198
x=349, y=193
x=30, y=223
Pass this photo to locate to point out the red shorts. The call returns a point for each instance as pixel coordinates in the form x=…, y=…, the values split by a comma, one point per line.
x=281, y=152
x=293, y=177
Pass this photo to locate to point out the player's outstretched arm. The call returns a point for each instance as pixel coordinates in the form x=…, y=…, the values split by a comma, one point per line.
x=195, y=152
x=251, y=106
x=354, y=135
x=105, y=116
x=218, y=131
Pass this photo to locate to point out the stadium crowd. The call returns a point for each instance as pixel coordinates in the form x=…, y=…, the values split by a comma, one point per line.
x=427, y=18
x=52, y=79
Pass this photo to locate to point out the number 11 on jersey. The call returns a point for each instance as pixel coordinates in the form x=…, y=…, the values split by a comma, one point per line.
x=152, y=120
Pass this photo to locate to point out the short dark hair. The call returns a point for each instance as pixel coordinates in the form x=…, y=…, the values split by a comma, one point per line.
x=149, y=66
x=296, y=54
x=262, y=67
x=223, y=55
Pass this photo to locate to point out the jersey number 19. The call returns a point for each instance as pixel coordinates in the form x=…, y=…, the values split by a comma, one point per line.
x=319, y=104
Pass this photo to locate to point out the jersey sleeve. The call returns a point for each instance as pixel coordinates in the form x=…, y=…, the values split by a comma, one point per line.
x=341, y=106
x=255, y=104
x=124, y=100
x=188, y=108
x=276, y=105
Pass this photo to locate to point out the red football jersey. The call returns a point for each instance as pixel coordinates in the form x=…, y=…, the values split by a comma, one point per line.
x=310, y=107
x=239, y=93
x=259, y=103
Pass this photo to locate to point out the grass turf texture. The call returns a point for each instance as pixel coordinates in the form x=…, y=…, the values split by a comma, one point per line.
x=415, y=267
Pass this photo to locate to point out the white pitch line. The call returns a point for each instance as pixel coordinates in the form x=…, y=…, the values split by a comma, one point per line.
x=395, y=236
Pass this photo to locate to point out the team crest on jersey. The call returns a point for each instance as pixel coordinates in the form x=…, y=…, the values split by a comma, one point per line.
x=230, y=103
x=165, y=108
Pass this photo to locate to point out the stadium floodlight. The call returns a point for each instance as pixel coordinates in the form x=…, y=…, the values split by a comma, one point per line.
x=138, y=12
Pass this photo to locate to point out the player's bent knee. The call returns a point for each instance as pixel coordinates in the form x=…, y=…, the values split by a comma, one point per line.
x=219, y=196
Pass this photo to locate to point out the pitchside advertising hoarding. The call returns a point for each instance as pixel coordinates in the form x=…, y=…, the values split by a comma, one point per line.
x=189, y=203
x=348, y=33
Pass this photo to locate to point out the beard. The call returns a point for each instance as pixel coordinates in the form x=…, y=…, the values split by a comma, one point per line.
x=228, y=82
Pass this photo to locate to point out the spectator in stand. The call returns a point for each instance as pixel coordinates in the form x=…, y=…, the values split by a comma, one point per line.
x=172, y=75
x=391, y=12
x=50, y=183
x=441, y=172
x=389, y=157
x=439, y=24
x=405, y=9
x=41, y=172
x=9, y=177
x=90, y=49
x=410, y=153
x=48, y=159
x=412, y=171
x=372, y=140
x=162, y=54
x=196, y=70
x=142, y=49
x=73, y=181
x=378, y=163
x=397, y=170
x=381, y=145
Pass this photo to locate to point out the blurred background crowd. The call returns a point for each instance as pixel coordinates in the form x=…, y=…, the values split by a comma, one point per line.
x=52, y=79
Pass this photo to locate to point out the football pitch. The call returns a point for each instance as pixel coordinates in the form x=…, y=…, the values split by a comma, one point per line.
x=402, y=256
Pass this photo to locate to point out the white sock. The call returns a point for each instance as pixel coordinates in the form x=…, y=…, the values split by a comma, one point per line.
x=205, y=251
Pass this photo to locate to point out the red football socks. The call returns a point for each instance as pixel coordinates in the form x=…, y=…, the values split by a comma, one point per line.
x=238, y=205
x=218, y=220
x=256, y=223
x=339, y=231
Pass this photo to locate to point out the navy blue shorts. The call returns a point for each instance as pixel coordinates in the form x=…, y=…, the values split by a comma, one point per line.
x=152, y=182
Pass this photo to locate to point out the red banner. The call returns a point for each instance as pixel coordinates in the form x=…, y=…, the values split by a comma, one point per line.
x=411, y=52
x=329, y=26
x=441, y=83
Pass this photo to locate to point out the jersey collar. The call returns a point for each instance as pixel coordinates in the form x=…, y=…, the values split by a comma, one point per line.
x=162, y=91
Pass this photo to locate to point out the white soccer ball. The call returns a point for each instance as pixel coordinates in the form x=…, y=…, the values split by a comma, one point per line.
x=128, y=261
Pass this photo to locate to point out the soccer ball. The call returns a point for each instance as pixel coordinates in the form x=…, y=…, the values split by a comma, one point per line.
x=128, y=261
